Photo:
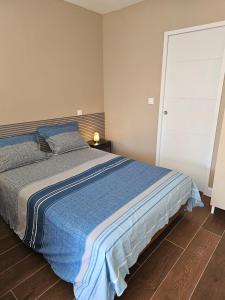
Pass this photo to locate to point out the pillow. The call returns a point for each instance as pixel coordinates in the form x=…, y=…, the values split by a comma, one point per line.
x=20, y=150
x=63, y=138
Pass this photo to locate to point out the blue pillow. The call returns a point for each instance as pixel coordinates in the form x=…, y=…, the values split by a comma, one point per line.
x=20, y=150
x=51, y=130
x=17, y=139
x=63, y=137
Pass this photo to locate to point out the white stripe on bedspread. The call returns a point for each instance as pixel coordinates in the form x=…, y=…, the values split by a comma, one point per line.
x=101, y=227
x=36, y=186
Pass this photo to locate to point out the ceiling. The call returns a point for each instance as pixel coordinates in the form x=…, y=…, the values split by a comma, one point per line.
x=103, y=6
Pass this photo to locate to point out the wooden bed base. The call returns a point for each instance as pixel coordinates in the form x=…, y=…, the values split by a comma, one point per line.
x=157, y=234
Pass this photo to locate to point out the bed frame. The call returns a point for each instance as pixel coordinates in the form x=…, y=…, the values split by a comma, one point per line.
x=88, y=124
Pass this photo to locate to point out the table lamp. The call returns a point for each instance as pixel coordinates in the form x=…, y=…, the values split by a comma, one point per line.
x=96, y=137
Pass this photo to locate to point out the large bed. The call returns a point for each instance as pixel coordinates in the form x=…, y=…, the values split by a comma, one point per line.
x=91, y=213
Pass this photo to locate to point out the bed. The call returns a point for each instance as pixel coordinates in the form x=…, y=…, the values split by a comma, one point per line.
x=91, y=213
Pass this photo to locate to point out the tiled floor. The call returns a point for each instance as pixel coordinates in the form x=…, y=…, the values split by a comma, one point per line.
x=186, y=262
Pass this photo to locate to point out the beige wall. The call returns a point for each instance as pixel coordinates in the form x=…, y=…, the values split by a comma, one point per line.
x=50, y=60
x=51, y=64
x=133, y=47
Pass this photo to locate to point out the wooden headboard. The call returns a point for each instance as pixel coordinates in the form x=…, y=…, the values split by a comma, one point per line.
x=88, y=125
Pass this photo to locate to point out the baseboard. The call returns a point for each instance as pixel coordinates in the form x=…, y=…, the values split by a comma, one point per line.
x=208, y=192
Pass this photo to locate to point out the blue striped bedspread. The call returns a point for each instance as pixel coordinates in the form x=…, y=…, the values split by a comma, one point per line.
x=92, y=222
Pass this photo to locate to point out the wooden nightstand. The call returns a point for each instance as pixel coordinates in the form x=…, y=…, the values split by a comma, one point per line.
x=103, y=145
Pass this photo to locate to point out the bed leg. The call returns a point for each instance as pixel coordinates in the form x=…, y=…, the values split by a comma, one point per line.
x=212, y=209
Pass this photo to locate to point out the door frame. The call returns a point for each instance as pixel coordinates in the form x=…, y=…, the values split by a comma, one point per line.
x=167, y=34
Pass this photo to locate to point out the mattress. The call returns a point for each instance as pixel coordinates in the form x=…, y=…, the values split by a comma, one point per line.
x=91, y=213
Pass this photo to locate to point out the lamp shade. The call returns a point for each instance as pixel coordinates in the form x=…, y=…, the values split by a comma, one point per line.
x=96, y=137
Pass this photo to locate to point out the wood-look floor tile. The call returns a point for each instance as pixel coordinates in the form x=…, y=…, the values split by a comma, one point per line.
x=189, y=225
x=4, y=229
x=8, y=296
x=13, y=276
x=144, y=283
x=8, y=242
x=212, y=284
x=216, y=222
x=35, y=285
x=60, y=291
x=11, y=257
x=182, y=279
x=184, y=232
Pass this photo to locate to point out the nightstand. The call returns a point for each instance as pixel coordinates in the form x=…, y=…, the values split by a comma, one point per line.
x=103, y=145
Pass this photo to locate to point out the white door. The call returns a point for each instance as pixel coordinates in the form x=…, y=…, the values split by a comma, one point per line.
x=190, y=97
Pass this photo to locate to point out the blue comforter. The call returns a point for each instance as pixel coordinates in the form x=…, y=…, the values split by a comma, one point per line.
x=92, y=223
